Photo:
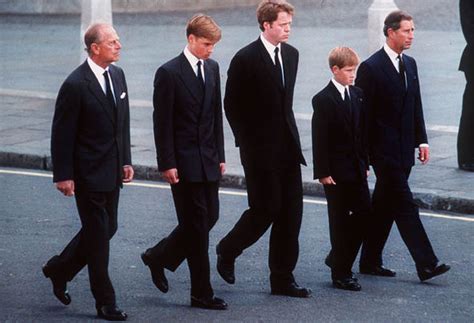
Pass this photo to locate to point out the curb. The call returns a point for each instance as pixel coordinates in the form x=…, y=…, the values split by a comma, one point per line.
x=426, y=200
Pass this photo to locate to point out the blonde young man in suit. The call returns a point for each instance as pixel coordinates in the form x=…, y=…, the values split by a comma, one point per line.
x=187, y=123
x=90, y=149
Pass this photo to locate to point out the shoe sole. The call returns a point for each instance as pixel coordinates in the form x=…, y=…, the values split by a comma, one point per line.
x=445, y=270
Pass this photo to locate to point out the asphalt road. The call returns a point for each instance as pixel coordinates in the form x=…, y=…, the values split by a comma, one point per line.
x=36, y=222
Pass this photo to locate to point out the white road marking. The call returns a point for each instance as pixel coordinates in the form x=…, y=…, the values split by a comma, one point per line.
x=234, y=193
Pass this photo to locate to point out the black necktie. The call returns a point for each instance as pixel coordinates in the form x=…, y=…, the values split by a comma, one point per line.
x=278, y=67
x=199, y=74
x=401, y=70
x=108, y=90
x=347, y=101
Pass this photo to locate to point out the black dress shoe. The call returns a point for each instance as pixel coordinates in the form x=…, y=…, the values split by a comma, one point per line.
x=347, y=284
x=59, y=286
x=157, y=274
x=225, y=267
x=427, y=273
x=377, y=271
x=211, y=303
x=328, y=260
x=111, y=313
x=469, y=167
x=292, y=290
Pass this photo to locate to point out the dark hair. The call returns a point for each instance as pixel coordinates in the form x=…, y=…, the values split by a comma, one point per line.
x=393, y=20
x=268, y=10
x=203, y=26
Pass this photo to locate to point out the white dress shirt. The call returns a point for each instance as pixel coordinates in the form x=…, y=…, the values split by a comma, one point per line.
x=340, y=88
x=99, y=74
x=193, y=60
x=271, y=51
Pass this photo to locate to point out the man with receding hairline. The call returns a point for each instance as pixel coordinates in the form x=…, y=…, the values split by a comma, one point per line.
x=389, y=79
x=90, y=150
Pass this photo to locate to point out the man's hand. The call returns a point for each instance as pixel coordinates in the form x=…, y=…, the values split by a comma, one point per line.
x=424, y=154
x=171, y=175
x=222, y=168
x=127, y=174
x=327, y=180
x=66, y=187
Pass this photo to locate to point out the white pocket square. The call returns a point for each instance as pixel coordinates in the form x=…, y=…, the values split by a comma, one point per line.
x=123, y=95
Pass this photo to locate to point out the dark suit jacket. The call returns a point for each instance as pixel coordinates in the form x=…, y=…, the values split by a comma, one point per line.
x=187, y=122
x=339, y=139
x=90, y=140
x=396, y=123
x=259, y=108
x=466, y=8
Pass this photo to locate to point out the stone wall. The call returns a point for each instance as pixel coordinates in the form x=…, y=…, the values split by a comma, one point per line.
x=122, y=6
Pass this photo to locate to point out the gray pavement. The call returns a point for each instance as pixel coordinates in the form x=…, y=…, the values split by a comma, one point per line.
x=38, y=52
x=37, y=221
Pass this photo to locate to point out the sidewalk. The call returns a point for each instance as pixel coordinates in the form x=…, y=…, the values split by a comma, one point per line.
x=25, y=143
x=38, y=52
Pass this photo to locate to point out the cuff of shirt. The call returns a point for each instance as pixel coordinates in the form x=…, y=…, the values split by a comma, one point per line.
x=423, y=146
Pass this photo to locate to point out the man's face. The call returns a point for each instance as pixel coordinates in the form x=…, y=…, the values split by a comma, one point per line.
x=107, y=50
x=402, y=38
x=200, y=47
x=345, y=75
x=279, y=30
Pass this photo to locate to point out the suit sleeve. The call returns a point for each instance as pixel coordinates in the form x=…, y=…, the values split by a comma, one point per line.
x=234, y=96
x=466, y=8
x=420, y=130
x=163, y=121
x=320, y=136
x=366, y=82
x=127, y=152
x=64, y=131
x=218, y=127
x=364, y=128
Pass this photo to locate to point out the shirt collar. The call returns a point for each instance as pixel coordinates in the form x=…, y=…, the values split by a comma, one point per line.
x=193, y=60
x=340, y=87
x=269, y=46
x=96, y=69
x=391, y=53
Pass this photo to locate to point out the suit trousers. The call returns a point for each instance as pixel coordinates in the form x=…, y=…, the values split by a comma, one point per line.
x=348, y=211
x=393, y=201
x=197, y=209
x=90, y=246
x=465, y=145
x=275, y=197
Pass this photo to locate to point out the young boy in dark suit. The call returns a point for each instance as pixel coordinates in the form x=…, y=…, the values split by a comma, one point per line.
x=341, y=163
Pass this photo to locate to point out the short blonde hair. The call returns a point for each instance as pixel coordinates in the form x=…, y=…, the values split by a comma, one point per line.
x=268, y=10
x=203, y=26
x=343, y=56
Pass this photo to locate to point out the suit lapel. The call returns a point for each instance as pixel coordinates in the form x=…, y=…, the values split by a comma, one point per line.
x=97, y=91
x=390, y=70
x=190, y=79
x=343, y=110
x=269, y=65
x=209, y=85
x=355, y=104
x=118, y=90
